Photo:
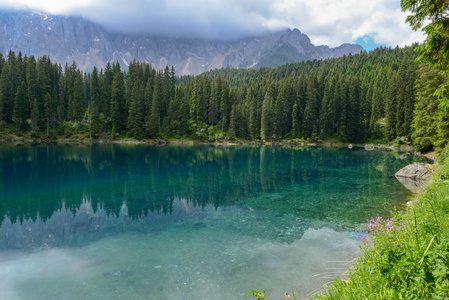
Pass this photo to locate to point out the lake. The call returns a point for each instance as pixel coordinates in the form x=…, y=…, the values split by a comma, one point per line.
x=195, y=222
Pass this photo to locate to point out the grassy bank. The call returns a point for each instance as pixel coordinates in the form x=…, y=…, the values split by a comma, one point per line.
x=406, y=256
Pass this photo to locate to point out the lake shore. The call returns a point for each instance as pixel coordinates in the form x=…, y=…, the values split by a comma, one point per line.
x=416, y=245
x=186, y=142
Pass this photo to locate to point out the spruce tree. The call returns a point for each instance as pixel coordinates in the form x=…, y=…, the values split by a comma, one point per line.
x=8, y=87
x=425, y=121
x=78, y=98
x=154, y=124
x=20, y=108
x=95, y=103
x=354, y=127
x=135, y=116
x=295, y=122
x=391, y=109
x=266, y=130
x=233, y=123
x=35, y=116
x=118, y=102
x=310, y=124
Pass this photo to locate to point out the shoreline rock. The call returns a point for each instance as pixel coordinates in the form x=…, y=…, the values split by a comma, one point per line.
x=417, y=171
x=414, y=176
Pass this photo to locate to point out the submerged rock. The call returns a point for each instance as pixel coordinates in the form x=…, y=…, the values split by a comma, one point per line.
x=414, y=185
x=199, y=225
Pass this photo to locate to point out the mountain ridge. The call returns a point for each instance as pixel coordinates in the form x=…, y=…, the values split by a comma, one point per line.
x=68, y=38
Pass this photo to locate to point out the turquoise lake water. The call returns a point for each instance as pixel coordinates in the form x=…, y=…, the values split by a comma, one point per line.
x=141, y=222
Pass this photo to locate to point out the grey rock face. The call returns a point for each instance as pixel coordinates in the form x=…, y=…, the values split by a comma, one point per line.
x=68, y=39
x=415, y=171
x=414, y=176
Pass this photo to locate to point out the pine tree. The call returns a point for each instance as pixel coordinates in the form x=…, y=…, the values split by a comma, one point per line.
x=425, y=121
x=48, y=112
x=135, y=116
x=331, y=113
x=295, y=122
x=44, y=84
x=342, y=110
x=354, y=116
x=32, y=84
x=266, y=131
x=106, y=90
x=183, y=113
x=213, y=104
x=401, y=98
x=35, y=116
x=9, y=80
x=310, y=124
x=225, y=106
x=232, y=124
x=95, y=102
x=252, y=119
x=147, y=99
x=118, y=102
x=62, y=103
x=20, y=108
x=391, y=109
x=154, y=124
x=283, y=111
x=79, y=100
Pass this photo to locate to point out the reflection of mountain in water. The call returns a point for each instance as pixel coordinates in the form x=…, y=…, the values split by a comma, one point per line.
x=48, y=182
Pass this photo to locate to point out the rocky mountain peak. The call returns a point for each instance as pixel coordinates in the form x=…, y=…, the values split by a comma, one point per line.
x=67, y=39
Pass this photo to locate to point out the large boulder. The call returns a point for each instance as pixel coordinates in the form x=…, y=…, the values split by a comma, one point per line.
x=414, y=176
x=416, y=171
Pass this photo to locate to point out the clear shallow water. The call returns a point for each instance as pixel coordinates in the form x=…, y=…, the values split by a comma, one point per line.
x=139, y=222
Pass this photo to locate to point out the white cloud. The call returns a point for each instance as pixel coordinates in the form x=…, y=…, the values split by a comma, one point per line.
x=50, y=6
x=330, y=22
x=334, y=22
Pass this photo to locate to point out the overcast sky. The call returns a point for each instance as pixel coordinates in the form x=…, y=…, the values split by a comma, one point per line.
x=328, y=22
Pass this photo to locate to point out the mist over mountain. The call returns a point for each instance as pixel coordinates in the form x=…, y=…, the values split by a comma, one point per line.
x=66, y=39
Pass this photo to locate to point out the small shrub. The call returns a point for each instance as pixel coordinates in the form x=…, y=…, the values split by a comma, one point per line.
x=397, y=141
x=423, y=144
x=257, y=294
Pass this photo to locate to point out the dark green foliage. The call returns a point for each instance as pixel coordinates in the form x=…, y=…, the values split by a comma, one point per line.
x=390, y=107
x=118, y=101
x=425, y=123
x=20, y=108
x=156, y=105
x=95, y=102
x=266, y=130
x=354, y=115
x=348, y=99
x=135, y=119
x=433, y=18
x=9, y=81
x=433, y=15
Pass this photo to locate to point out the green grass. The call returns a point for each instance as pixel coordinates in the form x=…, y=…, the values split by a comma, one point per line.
x=406, y=257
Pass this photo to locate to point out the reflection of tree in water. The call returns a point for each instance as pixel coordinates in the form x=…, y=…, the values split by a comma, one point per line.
x=36, y=181
x=67, y=228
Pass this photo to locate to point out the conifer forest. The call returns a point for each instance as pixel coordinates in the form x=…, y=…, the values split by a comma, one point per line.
x=383, y=96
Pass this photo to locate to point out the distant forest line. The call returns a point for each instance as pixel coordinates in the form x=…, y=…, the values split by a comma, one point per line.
x=381, y=95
